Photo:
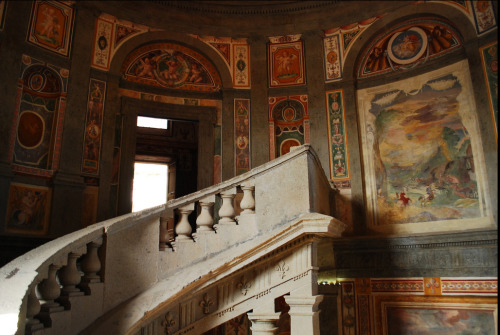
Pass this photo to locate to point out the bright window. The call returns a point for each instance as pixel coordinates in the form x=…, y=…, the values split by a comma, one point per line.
x=152, y=122
x=150, y=185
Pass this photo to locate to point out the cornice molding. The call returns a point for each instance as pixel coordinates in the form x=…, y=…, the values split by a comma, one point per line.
x=247, y=7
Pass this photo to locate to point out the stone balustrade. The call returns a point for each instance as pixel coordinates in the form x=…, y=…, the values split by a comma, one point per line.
x=63, y=286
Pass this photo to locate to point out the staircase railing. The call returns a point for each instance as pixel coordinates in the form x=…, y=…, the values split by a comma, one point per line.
x=65, y=285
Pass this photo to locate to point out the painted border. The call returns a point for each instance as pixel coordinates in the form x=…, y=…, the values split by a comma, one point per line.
x=332, y=58
x=489, y=19
x=337, y=135
x=490, y=81
x=242, y=140
x=241, y=66
x=103, y=39
x=93, y=125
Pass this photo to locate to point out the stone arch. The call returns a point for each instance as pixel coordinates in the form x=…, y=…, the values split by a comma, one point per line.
x=182, y=39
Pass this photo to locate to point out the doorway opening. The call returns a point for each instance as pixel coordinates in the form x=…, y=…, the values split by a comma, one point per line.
x=150, y=186
x=151, y=172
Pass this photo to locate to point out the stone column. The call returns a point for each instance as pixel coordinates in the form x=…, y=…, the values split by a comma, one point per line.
x=304, y=314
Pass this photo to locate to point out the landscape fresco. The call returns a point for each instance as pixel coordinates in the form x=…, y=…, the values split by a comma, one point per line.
x=439, y=321
x=421, y=149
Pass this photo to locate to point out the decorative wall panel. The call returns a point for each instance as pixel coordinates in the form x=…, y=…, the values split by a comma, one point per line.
x=489, y=57
x=51, y=26
x=422, y=154
x=337, y=43
x=171, y=65
x=288, y=124
x=241, y=66
x=236, y=56
x=339, y=156
x=242, y=135
x=101, y=55
x=333, y=67
x=93, y=129
x=398, y=305
x=39, y=118
x=484, y=16
x=440, y=315
x=28, y=209
x=286, y=64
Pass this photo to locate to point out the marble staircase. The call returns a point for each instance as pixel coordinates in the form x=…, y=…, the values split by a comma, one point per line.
x=127, y=275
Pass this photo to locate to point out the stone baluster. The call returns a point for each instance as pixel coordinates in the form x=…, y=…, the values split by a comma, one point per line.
x=205, y=220
x=264, y=323
x=226, y=211
x=247, y=204
x=183, y=228
x=32, y=309
x=164, y=235
x=49, y=288
x=69, y=276
x=91, y=264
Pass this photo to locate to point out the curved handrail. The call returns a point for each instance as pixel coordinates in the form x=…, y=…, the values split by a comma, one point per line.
x=17, y=276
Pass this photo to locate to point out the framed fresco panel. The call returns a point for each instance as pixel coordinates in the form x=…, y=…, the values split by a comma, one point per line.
x=406, y=314
x=286, y=64
x=422, y=153
x=51, y=26
x=28, y=209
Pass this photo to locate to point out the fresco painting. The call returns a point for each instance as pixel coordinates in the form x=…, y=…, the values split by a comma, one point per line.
x=241, y=65
x=333, y=68
x=422, y=153
x=102, y=44
x=339, y=159
x=288, y=124
x=489, y=54
x=28, y=209
x=441, y=321
x=51, y=26
x=484, y=15
x=396, y=306
x=410, y=43
x=38, y=119
x=242, y=135
x=286, y=64
x=172, y=66
x=93, y=129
